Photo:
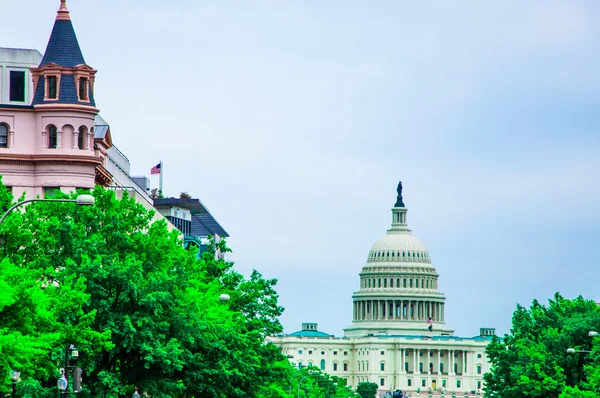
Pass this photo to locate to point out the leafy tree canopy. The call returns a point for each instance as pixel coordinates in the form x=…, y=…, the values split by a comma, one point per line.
x=532, y=360
x=367, y=389
x=142, y=310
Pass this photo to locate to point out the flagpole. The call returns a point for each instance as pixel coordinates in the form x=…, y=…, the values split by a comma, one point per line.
x=160, y=180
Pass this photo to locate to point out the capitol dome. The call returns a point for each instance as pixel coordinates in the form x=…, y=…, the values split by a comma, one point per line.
x=398, y=292
x=399, y=246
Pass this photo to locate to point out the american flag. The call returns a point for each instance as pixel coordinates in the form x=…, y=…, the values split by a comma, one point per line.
x=155, y=169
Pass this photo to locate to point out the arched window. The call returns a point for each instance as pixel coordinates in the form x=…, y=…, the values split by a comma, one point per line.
x=385, y=282
x=369, y=283
x=417, y=283
x=3, y=136
x=322, y=364
x=81, y=137
x=410, y=282
x=52, y=137
x=405, y=282
x=379, y=283
x=427, y=283
x=391, y=282
x=398, y=282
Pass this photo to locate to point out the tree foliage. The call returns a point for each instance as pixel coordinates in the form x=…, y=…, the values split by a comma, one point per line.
x=142, y=310
x=367, y=389
x=532, y=360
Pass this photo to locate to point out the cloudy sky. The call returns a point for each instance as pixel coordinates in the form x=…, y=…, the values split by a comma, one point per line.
x=294, y=120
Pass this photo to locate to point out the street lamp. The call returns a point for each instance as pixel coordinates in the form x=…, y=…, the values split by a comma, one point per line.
x=224, y=297
x=81, y=200
x=592, y=334
x=14, y=377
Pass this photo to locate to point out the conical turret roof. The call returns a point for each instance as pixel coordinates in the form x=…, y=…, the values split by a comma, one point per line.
x=63, y=47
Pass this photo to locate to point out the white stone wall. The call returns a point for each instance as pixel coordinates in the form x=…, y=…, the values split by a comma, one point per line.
x=364, y=357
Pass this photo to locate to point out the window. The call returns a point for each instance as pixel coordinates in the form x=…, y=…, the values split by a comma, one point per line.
x=420, y=367
x=382, y=366
x=444, y=383
x=52, y=137
x=382, y=382
x=310, y=364
x=52, y=87
x=379, y=283
x=478, y=355
x=345, y=367
x=410, y=283
x=299, y=351
x=309, y=352
x=17, y=86
x=83, y=89
x=334, y=366
x=423, y=383
x=382, y=352
x=81, y=137
x=322, y=352
x=417, y=283
x=3, y=136
x=385, y=283
x=457, y=383
x=409, y=382
x=50, y=192
x=322, y=364
x=345, y=352
x=455, y=368
x=420, y=353
x=478, y=369
x=441, y=368
x=406, y=366
x=335, y=353
x=299, y=364
x=479, y=384
x=441, y=354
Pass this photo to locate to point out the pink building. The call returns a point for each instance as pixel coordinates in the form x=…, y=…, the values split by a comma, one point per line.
x=47, y=113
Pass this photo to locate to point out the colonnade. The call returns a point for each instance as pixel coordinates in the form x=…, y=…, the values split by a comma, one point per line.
x=454, y=362
x=410, y=310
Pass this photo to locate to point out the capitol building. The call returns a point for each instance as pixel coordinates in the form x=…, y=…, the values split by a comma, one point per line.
x=398, y=337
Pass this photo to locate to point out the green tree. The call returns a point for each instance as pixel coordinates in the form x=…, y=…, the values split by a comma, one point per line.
x=142, y=310
x=367, y=389
x=531, y=361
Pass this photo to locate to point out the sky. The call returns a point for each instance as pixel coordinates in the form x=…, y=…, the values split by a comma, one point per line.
x=293, y=121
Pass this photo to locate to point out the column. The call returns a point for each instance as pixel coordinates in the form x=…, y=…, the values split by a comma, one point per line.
x=427, y=362
x=59, y=138
x=439, y=362
x=401, y=310
x=415, y=367
x=74, y=144
x=11, y=139
x=451, y=362
x=462, y=366
x=44, y=139
x=443, y=308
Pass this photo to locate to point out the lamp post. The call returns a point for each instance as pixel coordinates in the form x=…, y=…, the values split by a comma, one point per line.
x=14, y=377
x=570, y=350
x=81, y=200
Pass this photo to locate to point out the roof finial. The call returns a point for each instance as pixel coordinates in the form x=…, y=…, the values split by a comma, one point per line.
x=63, y=13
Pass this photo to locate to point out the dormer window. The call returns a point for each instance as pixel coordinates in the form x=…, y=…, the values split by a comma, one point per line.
x=52, y=137
x=52, y=88
x=83, y=89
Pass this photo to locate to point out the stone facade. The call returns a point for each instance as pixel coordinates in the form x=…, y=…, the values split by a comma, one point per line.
x=398, y=337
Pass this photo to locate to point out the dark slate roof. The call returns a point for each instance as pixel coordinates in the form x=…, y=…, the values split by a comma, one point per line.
x=63, y=48
x=204, y=224
x=67, y=93
x=100, y=128
x=310, y=333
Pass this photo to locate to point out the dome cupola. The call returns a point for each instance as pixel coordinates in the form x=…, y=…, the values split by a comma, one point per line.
x=398, y=285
